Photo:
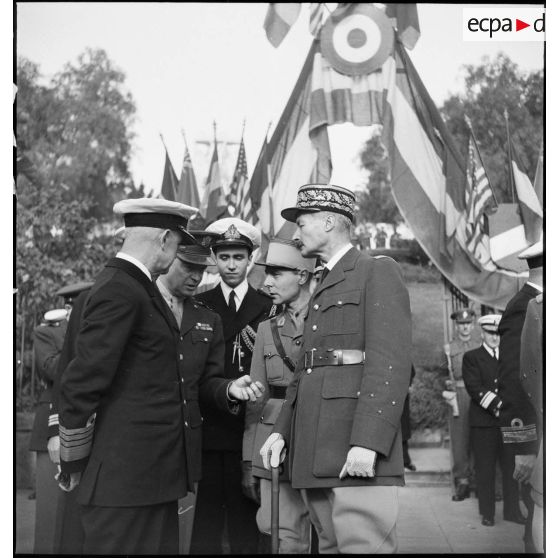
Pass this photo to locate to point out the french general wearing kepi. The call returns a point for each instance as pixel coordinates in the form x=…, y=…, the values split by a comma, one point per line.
x=241, y=308
x=122, y=424
x=340, y=422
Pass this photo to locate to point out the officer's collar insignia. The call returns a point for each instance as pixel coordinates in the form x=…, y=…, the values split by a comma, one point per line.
x=231, y=233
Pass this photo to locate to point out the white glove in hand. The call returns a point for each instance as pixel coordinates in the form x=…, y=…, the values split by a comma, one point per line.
x=67, y=485
x=53, y=447
x=360, y=463
x=272, y=451
x=244, y=388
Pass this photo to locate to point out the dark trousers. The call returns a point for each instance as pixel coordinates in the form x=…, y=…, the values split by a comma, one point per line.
x=133, y=530
x=488, y=449
x=68, y=537
x=219, y=496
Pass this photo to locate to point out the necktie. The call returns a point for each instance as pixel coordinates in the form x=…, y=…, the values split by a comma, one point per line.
x=495, y=354
x=324, y=274
x=232, y=305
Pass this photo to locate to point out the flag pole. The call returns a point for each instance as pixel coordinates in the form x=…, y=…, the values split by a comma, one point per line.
x=468, y=121
x=270, y=195
x=243, y=126
x=164, y=144
x=184, y=137
x=512, y=183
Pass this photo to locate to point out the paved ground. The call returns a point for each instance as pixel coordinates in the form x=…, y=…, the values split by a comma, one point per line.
x=429, y=522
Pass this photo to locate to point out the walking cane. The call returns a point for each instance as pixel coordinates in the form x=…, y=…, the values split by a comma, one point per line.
x=275, y=510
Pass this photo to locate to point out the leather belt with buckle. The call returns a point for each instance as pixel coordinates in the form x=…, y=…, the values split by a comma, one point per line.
x=332, y=357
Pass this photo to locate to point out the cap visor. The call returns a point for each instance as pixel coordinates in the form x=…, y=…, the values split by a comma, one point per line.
x=187, y=238
x=276, y=266
x=291, y=213
x=196, y=260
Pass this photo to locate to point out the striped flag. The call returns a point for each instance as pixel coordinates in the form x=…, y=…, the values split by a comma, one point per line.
x=428, y=173
x=187, y=189
x=479, y=200
x=315, y=22
x=170, y=180
x=278, y=21
x=240, y=184
x=214, y=205
x=406, y=22
x=529, y=204
x=539, y=176
x=296, y=155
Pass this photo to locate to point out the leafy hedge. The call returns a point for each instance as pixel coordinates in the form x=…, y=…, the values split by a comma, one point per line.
x=428, y=409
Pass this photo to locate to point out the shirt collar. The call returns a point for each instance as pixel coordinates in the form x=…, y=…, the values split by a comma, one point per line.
x=535, y=286
x=338, y=255
x=239, y=291
x=165, y=291
x=491, y=351
x=134, y=261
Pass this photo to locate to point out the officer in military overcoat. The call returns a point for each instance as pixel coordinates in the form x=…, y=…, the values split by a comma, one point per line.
x=459, y=425
x=340, y=422
x=480, y=374
x=241, y=309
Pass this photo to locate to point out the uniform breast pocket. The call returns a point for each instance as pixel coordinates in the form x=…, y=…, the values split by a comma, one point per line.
x=200, y=338
x=340, y=312
x=274, y=367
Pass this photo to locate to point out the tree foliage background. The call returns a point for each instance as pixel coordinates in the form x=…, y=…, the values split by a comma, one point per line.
x=74, y=140
x=490, y=88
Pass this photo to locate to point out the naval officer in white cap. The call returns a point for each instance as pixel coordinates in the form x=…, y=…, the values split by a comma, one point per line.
x=480, y=374
x=122, y=420
x=241, y=308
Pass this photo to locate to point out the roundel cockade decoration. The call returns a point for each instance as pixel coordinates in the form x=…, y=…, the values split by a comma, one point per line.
x=360, y=42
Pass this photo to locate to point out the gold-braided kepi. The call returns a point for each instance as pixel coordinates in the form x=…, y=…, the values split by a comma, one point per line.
x=322, y=197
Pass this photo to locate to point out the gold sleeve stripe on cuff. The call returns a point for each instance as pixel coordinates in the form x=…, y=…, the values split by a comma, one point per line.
x=487, y=399
x=519, y=434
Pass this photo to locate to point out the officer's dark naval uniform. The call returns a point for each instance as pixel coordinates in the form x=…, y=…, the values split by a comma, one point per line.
x=220, y=489
x=480, y=373
x=125, y=408
x=517, y=417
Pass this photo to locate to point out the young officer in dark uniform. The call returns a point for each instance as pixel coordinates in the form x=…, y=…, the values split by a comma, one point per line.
x=241, y=309
x=48, y=342
x=341, y=418
x=123, y=408
x=480, y=374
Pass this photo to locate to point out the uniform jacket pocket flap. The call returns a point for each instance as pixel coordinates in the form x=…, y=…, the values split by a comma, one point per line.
x=342, y=382
x=340, y=299
x=271, y=411
x=201, y=336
